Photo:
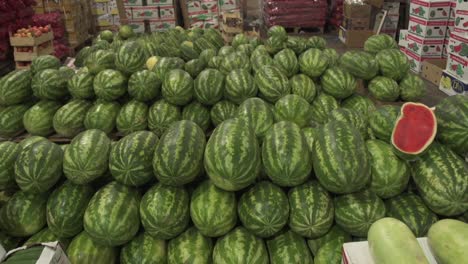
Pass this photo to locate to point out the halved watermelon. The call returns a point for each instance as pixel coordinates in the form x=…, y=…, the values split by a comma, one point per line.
x=414, y=130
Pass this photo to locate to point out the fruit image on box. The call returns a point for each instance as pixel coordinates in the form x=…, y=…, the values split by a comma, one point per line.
x=415, y=61
x=451, y=85
x=137, y=26
x=197, y=6
x=458, y=45
x=145, y=12
x=159, y=2
x=445, y=50
x=458, y=66
x=461, y=21
x=453, y=8
x=133, y=2
x=403, y=38
x=427, y=29
x=166, y=12
x=225, y=5
x=161, y=25
x=425, y=47
x=430, y=10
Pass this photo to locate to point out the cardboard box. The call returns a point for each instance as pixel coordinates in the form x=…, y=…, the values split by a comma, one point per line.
x=354, y=38
x=403, y=38
x=232, y=22
x=453, y=8
x=45, y=49
x=105, y=20
x=450, y=27
x=415, y=61
x=133, y=2
x=167, y=12
x=375, y=3
x=393, y=8
x=51, y=254
x=356, y=23
x=391, y=32
x=128, y=12
x=425, y=47
x=445, y=50
x=112, y=7
x=462, y=4
x=145, y=12
x=31, y=41
x=391, y=22
x=159, y=2
x=161, y=25
x=197, y=6
x=451, y=85
x=228, y=5
x=457, y=66
x=99, y=9
x=461, y=21
x=426, y=28
x=432, y=70
x=137, y=26
x=357, y=10
x=430, y=10
x=458, y=45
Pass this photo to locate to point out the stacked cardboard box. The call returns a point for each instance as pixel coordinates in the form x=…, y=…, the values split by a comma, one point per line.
x=390, y=25
x=231, y=25
x=355, y=28
x=28, y=48
x=157, y=14
x=106, y=14
x=206, y=13
x=295, y=13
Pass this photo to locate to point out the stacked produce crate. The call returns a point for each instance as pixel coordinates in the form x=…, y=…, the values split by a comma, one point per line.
x=106, y=14
x=355, y=28
x=295, y=13
x=158, y=15
x=231, y=25
x=206, y=13
x=30, y=43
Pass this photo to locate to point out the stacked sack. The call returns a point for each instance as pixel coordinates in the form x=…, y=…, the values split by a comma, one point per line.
x=295, y=13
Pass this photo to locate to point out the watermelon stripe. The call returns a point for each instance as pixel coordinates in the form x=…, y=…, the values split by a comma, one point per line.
x=190, y=247
x=9, y=151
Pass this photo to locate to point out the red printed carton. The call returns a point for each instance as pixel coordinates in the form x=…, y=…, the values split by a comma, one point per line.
x=415, y=61
x=461, y=21
x=430, y=29
x=430, y=10
x=458, y=66
x=458, y=45
x=425, y=47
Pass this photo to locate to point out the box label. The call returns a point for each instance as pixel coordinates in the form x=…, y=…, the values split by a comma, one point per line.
x=427, y=29
x=451, y=85
x=137, y=26
x=430, y=10
x=167, y=12
x=425, y=47
x=161, y=25
x=461, y=21
x=458, y=66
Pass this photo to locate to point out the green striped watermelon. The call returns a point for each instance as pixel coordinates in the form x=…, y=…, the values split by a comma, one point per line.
x=292, y=108
x=246, y=49
x=334, y=234
x=161, y=115
x=221, y=111
x=411, y=210
x=330, y=253
x=194, y=67
x=203, y=43
x=130, y=159
x=46, y=235
x=258, y=61
x=81, y=56
x=321, y=107
x=289, y=247
x=178, y=157
x=11, y=119
x=313, y=62
x=38, y=120
x=29, y=141
x=264, y=209
x=362, y=104
x=232, y=155
x=209, y=86
x=441, y=177
x=338, y=83
x=240, y=85
x=356, y=212
x=384, y=89
x=80, y=86
x=297, y=44
x=240, y=246
x=144, y=249
x=190, y=247
x=130, y=58
x=277, y=31
x=49, y=84
x=352, y=117
x=44, y=62
x=119, y=204
x=177, y=87
x=317, y=42
x=109, y=85
x=102, y=115
x=206, y=55
x=84, y=250
x=39, y=167
x=259, y=50
x=226, y=50
x=346, y=144
x=309, y=135
x=393, y=63
x=239, y=39
x=144, y=86
x=133, y=116
x=303, y=86
x=9, y=151
x=15, y=87
x=66, y=207
x=311, y=208
x=333, y=56
x=412, y=88
x=16, y=215
x=100, y=60
x=69, y=119
x=213, y=210
x=197, y=113
x=165, y=211
x=272, y=83
x=188, y=51
x=215, y=62
x=382, y=121
x=360, y=64
x=286, y=60
x=87, y=156
x=452, y=123
x=376, y=43
x=274, y=44
x=233, y=61
x=285, y=154
x=166, y=64
x=258, y=114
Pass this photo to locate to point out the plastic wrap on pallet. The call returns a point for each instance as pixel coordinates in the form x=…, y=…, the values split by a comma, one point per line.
x=295, y=13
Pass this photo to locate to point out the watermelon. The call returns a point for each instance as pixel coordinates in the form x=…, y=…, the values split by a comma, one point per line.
x=390, y=175
x=260, y=50
x=203, y=44
x=213, y=210
x=360, y=64
x=239, y=39
x=81, y=56
x=100, y=60
x=126, y=32
x=29, y=141
x=151, y=62
x=240, y=246
x=67, y=72
x=393, y=63
x=188, y=51
x=313, y=62
x=447, y=240
x=352, y=117
x=255, y=41
x=161, y=115
x=15, y=87
x=274, y=44
x=109, y=85
x=346, y=143
x=87, y=156
x=412, y=88
x=272, y=83
x=165, y=211
x=66, y=207
x=49, y=84
x=9, y=151
x=178, y=157
x=297, y=44
x=232, y=155
x=132, y=117
x=411, y=210
x=285, y=154
x=333, y=56
x=194, y=67
x=258, y=114
x=329, y=253
x=303, y=86
x=69, y=119
x=102, y=115
x=382, y=121
x=190, y=247
x=144, y=249
x=39, y=167
x=106, y=35
x=441, y=177
x=321, y=106
x=292, y=108
x=80, y=86
x=240, y=85
x=84, y=250
x=278, y=31
x=338, y=83
x=258, y=61
x=11, y=119
x=44, y=62
x=226, y=50
x=166, y=64
x=144, y=86
x=360, y=103
x=233, y=61
x=46, y=235
x=289, y=247
x=130, y=159
x=286, y=60
x=130, y=58
x=384, y=89
x=414, y=130
x=309, y=135
x=15, y=215
x=376, y=43
x=452, y=122
x=356, y=212
x=206, y=55
x=197, y=113
x=264, y=209
x=246, y=49
x=335, y=235
x=221, y=111
x=38, y=120
x=311, y=208
x=316, y=42
x=215, y=62
x=177, y=87
x=209, y=86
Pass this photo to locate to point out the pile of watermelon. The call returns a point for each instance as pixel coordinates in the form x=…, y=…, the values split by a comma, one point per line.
x=184, y=149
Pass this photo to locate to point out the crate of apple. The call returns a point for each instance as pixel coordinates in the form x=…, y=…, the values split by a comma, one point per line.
x=34, y=31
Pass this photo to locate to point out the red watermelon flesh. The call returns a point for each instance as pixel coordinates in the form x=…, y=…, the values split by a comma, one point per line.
x=415, y=129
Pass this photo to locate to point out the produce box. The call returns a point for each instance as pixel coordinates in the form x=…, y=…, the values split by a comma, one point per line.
x=451, y=85
x=445, y=50
x=458, y=45
x=356, y=23
x=461, y=21
x=133, y=2
x=112, y=8
x=453, y=8
x=403, y=39
x=432, y=70
x=137, y=26
x=425, y=47
x=198, y=6
x=357, y=10
x=105, y=20
x=458, y=66
x=167, y=12
x=99, y=8
x=415, y=61
x=145, y=12
x=232, y=22
x=161, y=25
x=426, y=28
x=430, y=10
x=354, y=38
x=450, y=27
x=29, y=53
x=225, y=5
x=31, y=41
x=391, y=32
x=159, y=2
x=51, y=254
